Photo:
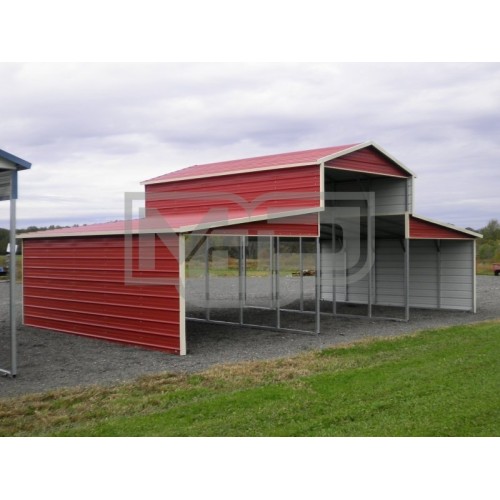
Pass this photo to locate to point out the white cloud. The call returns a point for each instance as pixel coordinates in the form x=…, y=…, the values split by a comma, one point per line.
x=94, y=131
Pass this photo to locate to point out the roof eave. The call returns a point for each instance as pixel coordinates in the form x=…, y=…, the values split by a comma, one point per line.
x=19, y=163
x=174, y=230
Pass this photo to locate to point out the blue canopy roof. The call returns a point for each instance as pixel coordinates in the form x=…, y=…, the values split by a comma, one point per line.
x=19, y=163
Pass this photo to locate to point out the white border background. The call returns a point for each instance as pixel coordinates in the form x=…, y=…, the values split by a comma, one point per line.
x=271, y=30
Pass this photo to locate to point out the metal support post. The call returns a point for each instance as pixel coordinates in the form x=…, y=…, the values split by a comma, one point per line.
x=277, y=281
x=334, y=277
x=369, y=255
x=438, y=250
x=301, y=271
x=240, y=279
x=407, y=279
x=244, y=255
x=317, y=281
x=473, y=270
x=271, y=271
x=207, y=279
x=12, y=273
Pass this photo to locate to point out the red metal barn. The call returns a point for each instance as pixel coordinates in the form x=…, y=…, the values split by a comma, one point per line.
x=350, y=206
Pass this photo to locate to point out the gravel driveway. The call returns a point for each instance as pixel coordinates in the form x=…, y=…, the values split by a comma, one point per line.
x=49, y=360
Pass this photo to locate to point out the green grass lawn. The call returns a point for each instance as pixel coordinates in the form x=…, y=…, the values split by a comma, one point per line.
x=434, y=383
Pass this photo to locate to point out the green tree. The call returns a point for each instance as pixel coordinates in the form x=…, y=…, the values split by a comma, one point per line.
x=492, y=230
x=4, y=240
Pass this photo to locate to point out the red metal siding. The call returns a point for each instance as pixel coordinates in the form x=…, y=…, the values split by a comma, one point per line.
x=300, y=225
x=78, y=285
x=427, y=230
x=234, y=197
x=368, y=160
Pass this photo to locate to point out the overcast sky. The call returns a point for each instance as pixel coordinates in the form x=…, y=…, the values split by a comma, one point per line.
x=93, y=131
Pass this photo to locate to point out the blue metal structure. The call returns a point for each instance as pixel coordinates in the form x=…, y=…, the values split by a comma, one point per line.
x=9, y=167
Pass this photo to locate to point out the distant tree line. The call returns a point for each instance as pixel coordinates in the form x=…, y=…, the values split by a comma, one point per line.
x=488, y=248
x=4, y=240
x=5, y=235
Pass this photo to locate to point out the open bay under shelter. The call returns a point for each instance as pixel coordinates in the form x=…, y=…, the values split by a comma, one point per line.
x=258, y=241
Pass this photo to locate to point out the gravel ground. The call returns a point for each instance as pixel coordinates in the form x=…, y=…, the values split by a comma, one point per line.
x=49, y=360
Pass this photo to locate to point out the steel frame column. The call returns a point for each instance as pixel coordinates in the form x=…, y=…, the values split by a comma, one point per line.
x=438, y=250
x=13, y=273
x=277, y=281
x=317, y=280
x=12, y=279
x=240, y=279
x=244, y=244
x=301, y=271
x=369, y=255
x=207, y=279
x=271, y=271
x=473, y=269
x=334, y=278
x=407, y=278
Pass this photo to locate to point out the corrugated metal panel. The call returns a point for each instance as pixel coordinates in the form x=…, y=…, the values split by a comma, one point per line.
x=390, y=193
x=299, y=225
x=333, y=273
x=78, y=285
x=424, y=274
x=457, y=275
x=410, y=184
x=311, y=156
x=255, y=194
x=389, y=273
x=5, y=185
x=351, y=281
x=368, y=160
x=420, y=228
x=357, y=289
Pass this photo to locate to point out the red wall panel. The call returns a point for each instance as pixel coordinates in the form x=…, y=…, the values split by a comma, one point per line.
x=236, y=196
x=368, y=160
x=81, y=285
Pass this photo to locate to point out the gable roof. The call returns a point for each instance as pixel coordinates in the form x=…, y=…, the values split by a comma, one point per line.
x=268, y=162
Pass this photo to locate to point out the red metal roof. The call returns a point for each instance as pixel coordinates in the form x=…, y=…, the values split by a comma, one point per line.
x=175, y=223
x=296, y=158
x=424, y=228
